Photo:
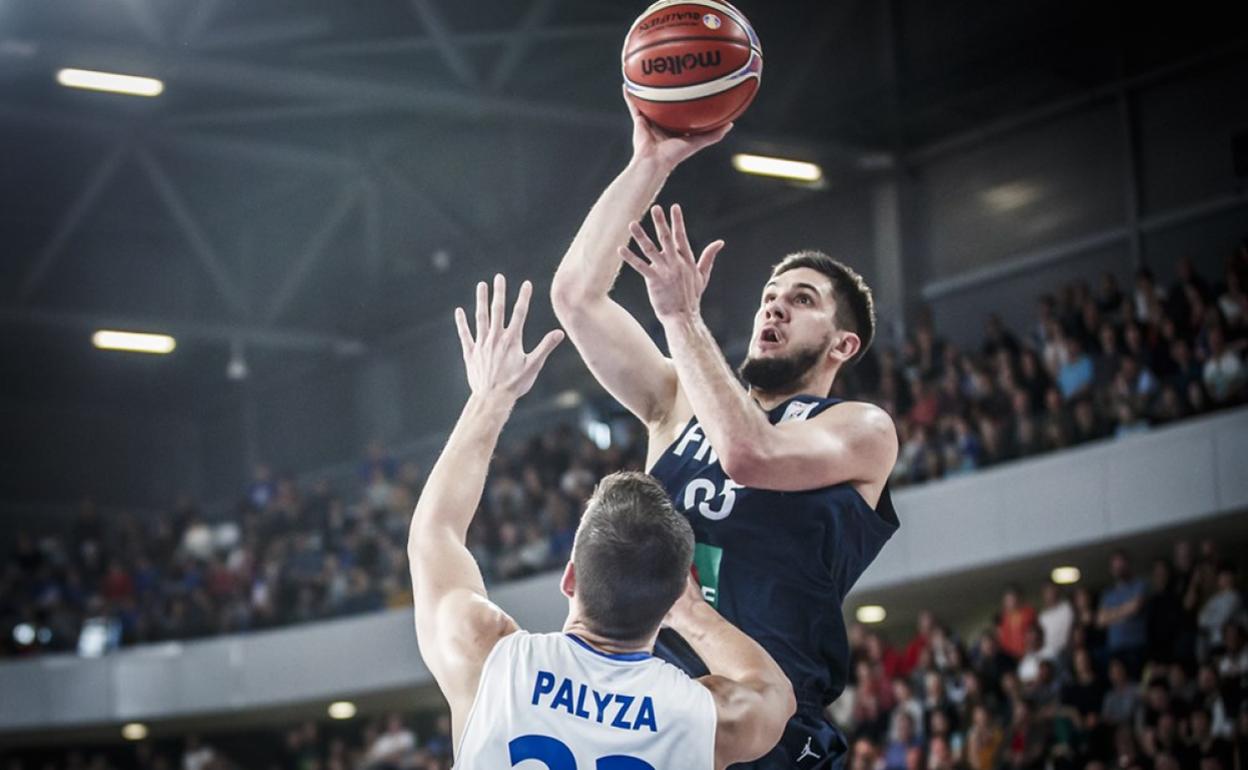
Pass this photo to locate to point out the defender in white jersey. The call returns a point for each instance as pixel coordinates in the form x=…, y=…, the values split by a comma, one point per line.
x=592, y=696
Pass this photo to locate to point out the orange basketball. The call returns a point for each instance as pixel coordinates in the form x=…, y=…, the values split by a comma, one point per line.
x=691, y=66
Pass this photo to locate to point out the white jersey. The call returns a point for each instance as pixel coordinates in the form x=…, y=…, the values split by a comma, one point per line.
x=552, y=702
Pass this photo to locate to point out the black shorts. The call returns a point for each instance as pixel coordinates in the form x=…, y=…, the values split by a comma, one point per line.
x=810, y=742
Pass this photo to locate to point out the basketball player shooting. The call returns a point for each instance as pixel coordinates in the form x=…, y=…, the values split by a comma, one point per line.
x=592, y=696
x=785, y=487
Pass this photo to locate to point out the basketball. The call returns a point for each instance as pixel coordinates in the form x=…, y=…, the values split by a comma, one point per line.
x=691, y=66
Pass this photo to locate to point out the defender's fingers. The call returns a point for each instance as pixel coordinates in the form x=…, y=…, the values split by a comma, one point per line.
x=483, y=309
x=636, y=262
x=521, y=310
x=643, y=241
x=661, y=228
x=465, y=336
x=537, y=358
x=679, y=233
x=498, y=308
x=706, y=262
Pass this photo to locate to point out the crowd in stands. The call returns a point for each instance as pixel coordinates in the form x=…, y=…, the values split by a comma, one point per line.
x=1147, y=673
x=1092, y=365
x=1151, y=673
x=392, y=742
x=290, y=555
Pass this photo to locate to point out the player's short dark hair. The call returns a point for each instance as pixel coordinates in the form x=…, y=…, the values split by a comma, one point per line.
x=855, y=304
x=632, y=555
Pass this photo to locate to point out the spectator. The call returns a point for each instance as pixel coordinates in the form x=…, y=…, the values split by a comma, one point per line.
x=1168, y=624
x=904, y=740
x=1016, y=617
x=983, y=741
x=1122, y=614
x=392, y=749
x=1056, y=620
x=1027, y=741
x=1122, y=701
x=1224, y=606
x=1224, y=373
x=1075, y=373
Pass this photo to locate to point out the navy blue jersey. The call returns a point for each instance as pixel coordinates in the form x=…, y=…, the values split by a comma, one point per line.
x=776, y=564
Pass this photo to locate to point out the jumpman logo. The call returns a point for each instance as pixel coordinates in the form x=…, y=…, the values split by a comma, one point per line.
x=806, y=752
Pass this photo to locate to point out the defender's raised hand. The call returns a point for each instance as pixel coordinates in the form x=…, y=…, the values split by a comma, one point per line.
x=675, y=280
x=495, y=359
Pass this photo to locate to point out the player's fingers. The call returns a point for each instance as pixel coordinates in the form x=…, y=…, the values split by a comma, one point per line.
x=521, y=311
x=706, y=262
x=537, y=358
x=661, y=228
x=498, y=308
x=643, y=241
x=679, y=234
x=465, y=336
x=636, y=262
x=483, y=312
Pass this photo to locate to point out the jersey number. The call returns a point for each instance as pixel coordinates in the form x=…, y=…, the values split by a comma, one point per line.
x=700, y=492
x=556, y=755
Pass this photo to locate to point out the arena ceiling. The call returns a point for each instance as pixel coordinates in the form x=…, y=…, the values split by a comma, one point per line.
x=320, y=177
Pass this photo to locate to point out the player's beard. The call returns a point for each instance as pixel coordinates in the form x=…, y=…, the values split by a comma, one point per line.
x=780, y=373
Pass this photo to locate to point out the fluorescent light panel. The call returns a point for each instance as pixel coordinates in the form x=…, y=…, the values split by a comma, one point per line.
x=342, y=709
x=111, y=82
x=797, y=170
x=1065, y=576
x=135, y=731
x=134, y=342
x=870, y=613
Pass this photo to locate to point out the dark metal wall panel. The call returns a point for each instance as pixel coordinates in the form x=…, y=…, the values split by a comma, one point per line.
x=1023, y=191
x=1186, y=127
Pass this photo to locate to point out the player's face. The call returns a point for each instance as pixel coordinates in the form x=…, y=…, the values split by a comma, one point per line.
x=793, y=329
x=797, y=309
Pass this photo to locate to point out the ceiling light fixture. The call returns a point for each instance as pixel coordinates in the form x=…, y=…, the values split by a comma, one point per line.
x=1065, y=576
x=135, y=731
x=341, y=709
x=762, y=165
x=112, y=82
x=870, y=613
x=134, y=342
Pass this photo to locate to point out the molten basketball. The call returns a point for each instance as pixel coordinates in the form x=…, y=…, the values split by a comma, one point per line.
x=691, y=66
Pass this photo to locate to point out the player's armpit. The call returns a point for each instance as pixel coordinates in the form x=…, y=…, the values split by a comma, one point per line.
x=851, y=442
x=750, y=717
x=620, y=354
x=456, y=624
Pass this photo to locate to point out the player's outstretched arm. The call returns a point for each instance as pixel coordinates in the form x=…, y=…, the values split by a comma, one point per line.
x=456, y=624
x=614, y=345
x=753, y=697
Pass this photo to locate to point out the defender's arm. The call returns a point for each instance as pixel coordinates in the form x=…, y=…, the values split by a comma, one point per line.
x=456, y=624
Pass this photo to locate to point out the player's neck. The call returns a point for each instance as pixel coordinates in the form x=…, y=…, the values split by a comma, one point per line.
x=813, y=386
x=601, y=643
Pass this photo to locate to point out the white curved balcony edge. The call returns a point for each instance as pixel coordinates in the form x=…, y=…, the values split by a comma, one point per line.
x=1093, y=493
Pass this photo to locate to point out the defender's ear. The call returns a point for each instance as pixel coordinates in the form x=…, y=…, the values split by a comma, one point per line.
x=567, y=584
